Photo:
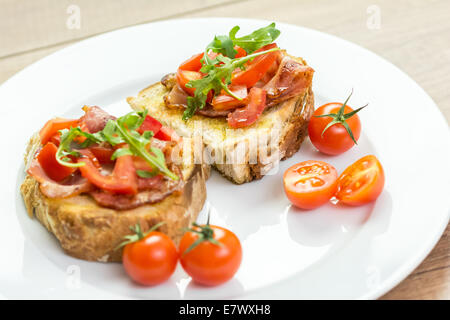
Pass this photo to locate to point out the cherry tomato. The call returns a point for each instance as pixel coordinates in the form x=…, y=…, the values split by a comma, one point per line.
x=245, y=116
x=211, y=263
x=362, y=182
x=151, y=259
x=334, y=127
x=310, y=184
x=47, y=159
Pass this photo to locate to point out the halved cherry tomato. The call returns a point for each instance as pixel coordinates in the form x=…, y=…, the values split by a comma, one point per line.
x=47, y=160
x=227, y=102
x=122, y=180
x=167, y=134
x=335, y=140
x=184, y=76
x=150, y=260
x=150, y=124
x=362, y=182
x=247, y=115
x=103, y=154
x=310, y=184
x=211, y=263
x=52, y=127
x=256, y=69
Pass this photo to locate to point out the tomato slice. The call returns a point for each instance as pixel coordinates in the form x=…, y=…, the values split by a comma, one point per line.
x=193, y=63
x=52, y=127
x=310, y=184
x=184, y=76
x=102, y=154
x=247, y=115
x=167, y=134
x=122, y=180
x=362, y=182
x=227, y=102
x=256, y=69
x=47, y=159
x=240, y=52
x=150, y=124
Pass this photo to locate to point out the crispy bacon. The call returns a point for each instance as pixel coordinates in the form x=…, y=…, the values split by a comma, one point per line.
x=291, y=79
x=95, y=119
x=52, y=189
x=152, y=190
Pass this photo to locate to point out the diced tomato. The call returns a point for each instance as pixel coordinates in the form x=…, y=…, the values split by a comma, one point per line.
x=103, y=154
x=47, y=160
x=55, y=139
x=247, y=115
x=227, y=102
x=193, y=63
x=53, y=126
x=184, y=76
x=122, y=180
x=240, y=52
x=88, y=153
x=256, y=68
x=150, y=124
x=167, y=134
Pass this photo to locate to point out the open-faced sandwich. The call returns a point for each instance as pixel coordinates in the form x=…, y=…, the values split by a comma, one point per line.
x=249, y=101
x=90, y=179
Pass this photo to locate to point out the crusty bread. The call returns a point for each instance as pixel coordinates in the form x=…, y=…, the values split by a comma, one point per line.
x=90, y=232
x=287, y=122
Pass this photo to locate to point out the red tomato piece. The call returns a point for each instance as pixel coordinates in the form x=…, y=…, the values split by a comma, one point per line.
x=227, y=102
x=47, y=159
x=150, y=124
x=52, y=127
x=310, y=184
x=256, y=69
x=362, y=182
x=247, y=115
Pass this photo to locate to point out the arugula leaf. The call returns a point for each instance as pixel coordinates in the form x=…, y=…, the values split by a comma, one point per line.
x=256, y=39
x=146, y=174
x=218, y=78
x=67, y=140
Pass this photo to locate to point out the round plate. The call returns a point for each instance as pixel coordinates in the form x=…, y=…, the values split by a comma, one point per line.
x=332, y=252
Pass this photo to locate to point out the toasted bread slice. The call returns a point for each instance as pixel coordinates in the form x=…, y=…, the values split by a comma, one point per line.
x=90, y=232
x=277, y=134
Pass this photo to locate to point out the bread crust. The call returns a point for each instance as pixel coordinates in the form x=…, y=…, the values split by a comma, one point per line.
x=90, y=232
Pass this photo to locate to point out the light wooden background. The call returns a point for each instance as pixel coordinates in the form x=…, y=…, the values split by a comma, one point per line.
x=414, y=35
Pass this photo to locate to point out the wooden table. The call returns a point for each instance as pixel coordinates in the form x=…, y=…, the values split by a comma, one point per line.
x=414, y=35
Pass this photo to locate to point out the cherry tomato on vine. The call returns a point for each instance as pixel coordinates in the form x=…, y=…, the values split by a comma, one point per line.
x=335, y=127
x=149, y=258
x=211, y=255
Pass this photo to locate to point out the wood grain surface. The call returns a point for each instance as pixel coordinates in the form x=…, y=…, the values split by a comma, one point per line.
x=412, y=34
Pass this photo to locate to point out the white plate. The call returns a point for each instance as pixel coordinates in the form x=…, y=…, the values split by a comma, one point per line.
x=325, y=253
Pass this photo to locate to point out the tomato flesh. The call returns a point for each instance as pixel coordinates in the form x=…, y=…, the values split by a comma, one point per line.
x=227, y=102
x=362, y=182
x=150, y=124
x=103, y=154
x=310, y=184
x=184, y=76
x=47, y=159
x=152, y=260
x=256, y=69
x=211, y=264
x=122, y=180
x=52, y=127
x=248, y=115
x=335, y=140
x=167, y=134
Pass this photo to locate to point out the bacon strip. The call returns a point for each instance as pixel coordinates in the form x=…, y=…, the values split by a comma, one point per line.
x=95, y=119
x=53, y=189
x=291, y=79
